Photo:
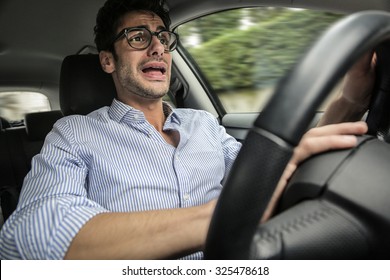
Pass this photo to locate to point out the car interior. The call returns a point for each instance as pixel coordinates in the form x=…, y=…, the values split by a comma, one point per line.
x=47, y=47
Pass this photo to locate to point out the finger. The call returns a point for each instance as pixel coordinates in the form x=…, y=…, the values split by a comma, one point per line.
x=269, y=210
x=313, y=145
x=351, y=128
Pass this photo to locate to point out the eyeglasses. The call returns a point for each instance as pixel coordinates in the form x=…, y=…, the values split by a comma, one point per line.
x=140, y=38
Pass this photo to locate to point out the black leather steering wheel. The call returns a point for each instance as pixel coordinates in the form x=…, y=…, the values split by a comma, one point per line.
x=336, y=206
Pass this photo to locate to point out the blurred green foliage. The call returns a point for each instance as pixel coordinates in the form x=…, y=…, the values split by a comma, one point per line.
x=233, y=57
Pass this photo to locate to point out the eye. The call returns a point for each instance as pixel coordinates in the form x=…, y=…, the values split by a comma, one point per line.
x=163, y=41
x=139, y=37
x=164, y=38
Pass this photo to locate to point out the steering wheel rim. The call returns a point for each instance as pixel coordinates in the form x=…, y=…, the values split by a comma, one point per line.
x=270, y=143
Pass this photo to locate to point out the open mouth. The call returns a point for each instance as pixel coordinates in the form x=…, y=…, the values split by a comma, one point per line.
x=154, y=68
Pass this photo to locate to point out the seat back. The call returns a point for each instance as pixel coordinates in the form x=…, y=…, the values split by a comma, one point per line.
x=4, y=123
x=18, y=146
x=84, y=86
x=39, y=124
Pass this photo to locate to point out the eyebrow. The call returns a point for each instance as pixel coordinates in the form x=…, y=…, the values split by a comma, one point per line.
x=159, y=28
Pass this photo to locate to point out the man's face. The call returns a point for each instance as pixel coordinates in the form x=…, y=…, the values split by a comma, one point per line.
x=144, y=73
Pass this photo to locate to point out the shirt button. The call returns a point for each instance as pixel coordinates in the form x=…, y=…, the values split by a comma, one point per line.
x=186, y=197
x=136, y=117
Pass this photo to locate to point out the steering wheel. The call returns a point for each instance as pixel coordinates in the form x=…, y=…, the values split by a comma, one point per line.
x=336, y=205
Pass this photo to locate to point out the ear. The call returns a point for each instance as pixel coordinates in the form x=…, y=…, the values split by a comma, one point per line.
x=107, y=61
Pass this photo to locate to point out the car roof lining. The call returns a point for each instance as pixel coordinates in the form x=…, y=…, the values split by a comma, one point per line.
x=22, y=52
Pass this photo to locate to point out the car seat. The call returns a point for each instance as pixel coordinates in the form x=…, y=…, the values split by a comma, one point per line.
x=4, y=123
x=84, y=86
x=18, y=145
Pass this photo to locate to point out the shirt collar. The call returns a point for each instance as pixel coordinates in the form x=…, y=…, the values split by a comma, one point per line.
x=120, y=112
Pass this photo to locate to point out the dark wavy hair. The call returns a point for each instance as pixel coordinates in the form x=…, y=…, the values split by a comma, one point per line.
x=111, y=14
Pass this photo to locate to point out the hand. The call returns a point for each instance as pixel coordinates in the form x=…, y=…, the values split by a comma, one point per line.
x=315, y=141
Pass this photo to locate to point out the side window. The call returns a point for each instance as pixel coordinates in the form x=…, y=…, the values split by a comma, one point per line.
x=14, y=105
x=244, y=52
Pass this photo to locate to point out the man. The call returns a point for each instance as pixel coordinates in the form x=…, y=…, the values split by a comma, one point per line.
x=137, y=180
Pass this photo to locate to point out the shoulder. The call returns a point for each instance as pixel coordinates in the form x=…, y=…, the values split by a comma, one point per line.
x=100, y=115
x=74, y=128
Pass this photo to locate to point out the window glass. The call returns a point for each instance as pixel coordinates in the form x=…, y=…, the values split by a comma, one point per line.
x=244, y=52
x=14, y=105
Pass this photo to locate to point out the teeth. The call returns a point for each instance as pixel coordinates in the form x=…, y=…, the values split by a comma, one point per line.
x=162, y=70
x=154, y=67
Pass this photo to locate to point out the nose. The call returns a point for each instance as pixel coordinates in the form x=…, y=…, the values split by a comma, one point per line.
x=156, y=48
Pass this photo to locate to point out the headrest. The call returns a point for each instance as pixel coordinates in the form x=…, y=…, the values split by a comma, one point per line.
x=39, y=124
x=84, y=86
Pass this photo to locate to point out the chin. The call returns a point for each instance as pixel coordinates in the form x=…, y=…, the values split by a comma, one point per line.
x=158, y=92
x=154, y=93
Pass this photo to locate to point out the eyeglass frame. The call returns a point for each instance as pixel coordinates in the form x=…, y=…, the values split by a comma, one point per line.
x=125, y=31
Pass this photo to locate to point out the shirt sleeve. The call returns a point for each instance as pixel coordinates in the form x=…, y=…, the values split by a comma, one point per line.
x=230, y=147
x=53, y=205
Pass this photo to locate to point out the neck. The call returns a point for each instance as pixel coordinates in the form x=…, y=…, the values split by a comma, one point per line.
x=154, y=114
x=152, y=109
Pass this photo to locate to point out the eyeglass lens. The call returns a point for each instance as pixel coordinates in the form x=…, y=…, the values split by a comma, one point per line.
x=141, y=38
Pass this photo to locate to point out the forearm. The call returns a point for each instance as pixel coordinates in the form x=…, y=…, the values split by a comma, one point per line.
x=355, y=97
x=142, y=235
x=342, y=110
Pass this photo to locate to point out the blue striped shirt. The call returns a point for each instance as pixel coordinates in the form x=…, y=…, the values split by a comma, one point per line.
x=113, y=160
